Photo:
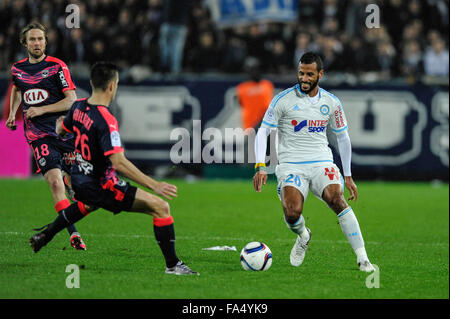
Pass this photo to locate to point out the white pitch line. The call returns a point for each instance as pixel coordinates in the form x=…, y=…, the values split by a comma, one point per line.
x=287, y=240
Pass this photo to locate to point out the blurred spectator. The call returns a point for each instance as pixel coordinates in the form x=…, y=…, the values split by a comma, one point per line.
x=278, y=60
x=234, y=55
x=436, y=59
x=395, y=17
x=254, y=95
x=330, y=50
x=173, y=34
x=354, y=56
x=97, y=51
x=437, y=15
x=386, y=56
x=332, y=9
x=75, y=48
x=412, y=61
x=302, y=45
x=309, y=12
x=205, y=57
x=159, y=33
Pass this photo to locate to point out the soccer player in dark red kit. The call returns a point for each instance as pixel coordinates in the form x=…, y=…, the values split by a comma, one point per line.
x=99, y=155
x=44, y=85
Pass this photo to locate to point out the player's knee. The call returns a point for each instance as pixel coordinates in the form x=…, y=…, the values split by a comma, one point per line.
x=337, y=202
x=161, y=209
x=56, y=185
x=292, y=211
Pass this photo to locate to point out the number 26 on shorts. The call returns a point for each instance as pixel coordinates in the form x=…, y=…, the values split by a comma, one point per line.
x=293, y=179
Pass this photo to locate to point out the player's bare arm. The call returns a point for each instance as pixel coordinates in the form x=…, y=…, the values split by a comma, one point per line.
x=127, y=169
x=351, y=186
x=259, y=179
x=61, y=106
x=15, y=100
x=59, y=128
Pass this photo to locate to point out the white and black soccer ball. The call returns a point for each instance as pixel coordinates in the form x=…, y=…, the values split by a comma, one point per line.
x=256, y=256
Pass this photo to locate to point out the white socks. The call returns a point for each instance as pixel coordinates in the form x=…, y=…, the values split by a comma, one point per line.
x=299, y=227
x=350, y=228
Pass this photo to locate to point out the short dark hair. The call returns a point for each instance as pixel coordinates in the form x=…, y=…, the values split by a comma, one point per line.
x=102, y=73
x=30, y=26
x=311, y=57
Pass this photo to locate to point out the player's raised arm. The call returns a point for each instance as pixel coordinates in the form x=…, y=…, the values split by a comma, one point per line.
x=15, y=99
x=127, y=169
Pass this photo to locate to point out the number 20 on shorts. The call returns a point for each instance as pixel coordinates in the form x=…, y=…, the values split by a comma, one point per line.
x=293, y=179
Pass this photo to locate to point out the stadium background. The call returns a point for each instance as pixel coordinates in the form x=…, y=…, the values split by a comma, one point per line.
x=392, y=80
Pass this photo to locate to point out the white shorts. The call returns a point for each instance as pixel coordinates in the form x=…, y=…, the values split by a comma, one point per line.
x=305, y=177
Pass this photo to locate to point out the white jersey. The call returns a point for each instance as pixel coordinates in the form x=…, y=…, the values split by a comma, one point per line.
x=302, y=124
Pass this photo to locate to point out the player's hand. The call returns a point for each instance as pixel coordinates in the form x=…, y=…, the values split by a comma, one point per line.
x=59, y=120
x=259, y=179
x=34, y=111
x=351, y=186
x=11, y=123
x=166, y=190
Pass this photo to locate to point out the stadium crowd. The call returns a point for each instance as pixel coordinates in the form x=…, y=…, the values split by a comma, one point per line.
x=411, y=40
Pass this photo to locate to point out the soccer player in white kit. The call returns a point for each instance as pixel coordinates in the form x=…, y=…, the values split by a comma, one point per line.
x=301, y=114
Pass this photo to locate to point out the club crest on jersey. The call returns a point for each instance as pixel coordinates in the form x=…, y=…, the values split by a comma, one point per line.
x=314, y=126
x=42, y=161
x=324, y=109
x=35, y=96
x=45, y=73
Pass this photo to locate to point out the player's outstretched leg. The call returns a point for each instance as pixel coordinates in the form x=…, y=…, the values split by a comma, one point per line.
x=164, y=230
x=350, y=227
x=333, y=196
x=292, y=205
x=54, y=179
x=67, y=216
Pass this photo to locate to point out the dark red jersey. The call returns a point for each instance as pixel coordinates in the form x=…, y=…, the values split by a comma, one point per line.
x=41, y=84
x=96, y=137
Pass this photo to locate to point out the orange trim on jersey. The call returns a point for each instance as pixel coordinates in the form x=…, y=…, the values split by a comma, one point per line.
x=65, y=70
x=65, y=128
x=160, y=222
x=35, y=159
x=20, y=61
x=112, y=125
x=114, y=151
x=82, y=208
x=109, y=185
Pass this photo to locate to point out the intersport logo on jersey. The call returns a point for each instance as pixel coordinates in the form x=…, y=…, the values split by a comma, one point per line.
x=314, y=126
x=35, y=96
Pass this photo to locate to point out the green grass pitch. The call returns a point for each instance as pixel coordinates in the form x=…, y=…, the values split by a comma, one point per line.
x=405, y=227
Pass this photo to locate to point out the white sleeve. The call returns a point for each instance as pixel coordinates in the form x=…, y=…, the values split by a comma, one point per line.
x=338, y=120
x=345, y=151
x=261, y=144
x=273, y=113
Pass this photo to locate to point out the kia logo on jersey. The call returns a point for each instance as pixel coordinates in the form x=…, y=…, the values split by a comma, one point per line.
x=35, y=96
x=313, y=125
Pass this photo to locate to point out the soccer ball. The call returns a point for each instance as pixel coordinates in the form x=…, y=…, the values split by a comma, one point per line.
x=256, y=256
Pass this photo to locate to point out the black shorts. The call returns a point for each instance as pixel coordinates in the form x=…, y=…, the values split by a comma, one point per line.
x=50, y=152
x=113, y=197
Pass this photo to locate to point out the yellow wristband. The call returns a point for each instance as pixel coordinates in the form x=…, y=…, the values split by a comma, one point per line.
x=258, y=165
